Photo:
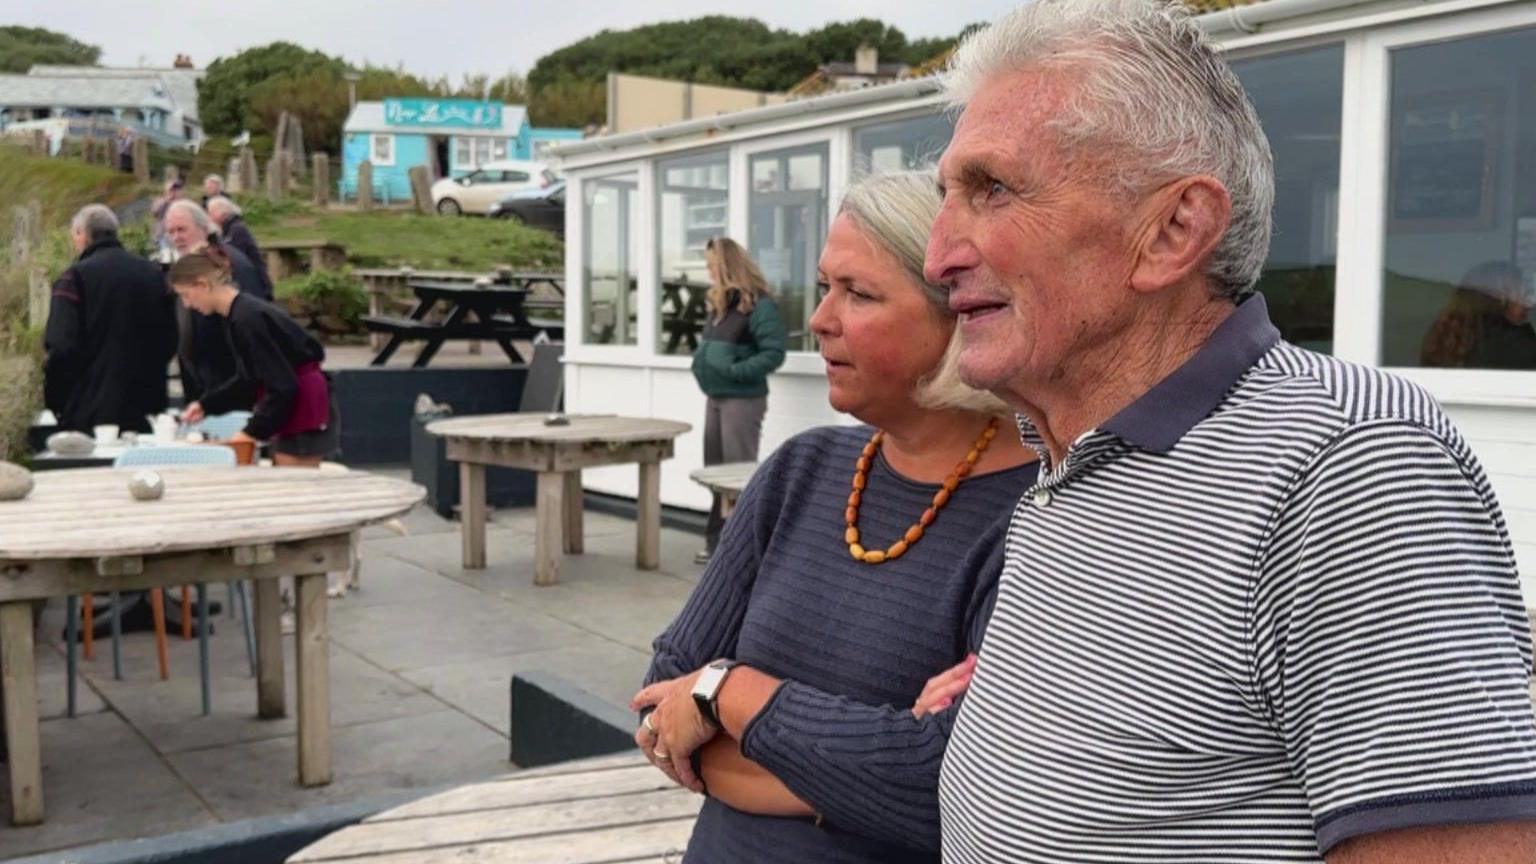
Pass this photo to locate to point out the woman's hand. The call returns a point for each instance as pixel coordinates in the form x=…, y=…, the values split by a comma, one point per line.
x=942, y=689
x=242, y=436
x=674, y=730
x=193, y=413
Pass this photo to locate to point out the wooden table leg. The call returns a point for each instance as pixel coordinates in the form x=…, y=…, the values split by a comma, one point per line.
x=22, y=739
x=550, y=517
x=270, y=697
x=472, y=513
x=574, y=540
x=313, y=660
x=648, y=518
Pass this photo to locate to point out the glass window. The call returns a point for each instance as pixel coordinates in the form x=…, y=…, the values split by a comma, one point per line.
x=1299, y=96
x=482, y=151
x=499, y=148
x=515, y=176
x=611, y=222
x=1460, y=251
x=693, y=192
x=902, y=145
x=787, y=225
x=383, y=150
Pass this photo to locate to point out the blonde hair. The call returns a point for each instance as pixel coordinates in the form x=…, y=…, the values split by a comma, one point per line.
x=895, y=211
x=731, y=268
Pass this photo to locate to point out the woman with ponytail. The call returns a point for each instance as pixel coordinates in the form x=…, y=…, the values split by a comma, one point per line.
x=273, y=354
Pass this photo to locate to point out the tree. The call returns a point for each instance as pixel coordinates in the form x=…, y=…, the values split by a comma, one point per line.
x=224, y=94
x=838, y=42
x=23, y=47
x=569, y=102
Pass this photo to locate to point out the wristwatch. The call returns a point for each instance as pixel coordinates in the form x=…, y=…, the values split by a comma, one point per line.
x=706, y=691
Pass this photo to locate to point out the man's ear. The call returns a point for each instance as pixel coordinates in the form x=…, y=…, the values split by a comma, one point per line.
x=1186, y=220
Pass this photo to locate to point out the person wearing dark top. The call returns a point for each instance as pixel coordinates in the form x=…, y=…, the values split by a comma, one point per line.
x=111, y=332
x=204, y=352
x=742, y=343
x=808, y=686
x=274, y=356
x=230, y=219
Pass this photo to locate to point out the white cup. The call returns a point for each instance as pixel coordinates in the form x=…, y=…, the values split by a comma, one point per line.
x=106, y=433
x=164, y=429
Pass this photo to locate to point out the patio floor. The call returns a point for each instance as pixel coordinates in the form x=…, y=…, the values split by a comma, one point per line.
x=421, y=659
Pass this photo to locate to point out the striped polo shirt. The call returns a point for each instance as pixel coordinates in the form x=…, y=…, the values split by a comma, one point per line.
x=1269, y=606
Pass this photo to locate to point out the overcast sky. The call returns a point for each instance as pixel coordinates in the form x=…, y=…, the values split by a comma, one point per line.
x=447, y=37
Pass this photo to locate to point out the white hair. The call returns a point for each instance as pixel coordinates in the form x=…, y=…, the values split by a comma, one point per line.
x=896, y=211
x=1152, y=102
x=224, y=206
x=215, y=178
x=194, y=211
x=95, y=221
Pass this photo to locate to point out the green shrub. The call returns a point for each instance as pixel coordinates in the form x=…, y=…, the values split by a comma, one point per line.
x=21, y=396
x=328, y=303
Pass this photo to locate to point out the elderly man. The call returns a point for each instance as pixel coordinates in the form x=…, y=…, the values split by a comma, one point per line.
x=111, y=332
x=213, y=186
x=226, y=214
x=1261, y=604
x=206, y=359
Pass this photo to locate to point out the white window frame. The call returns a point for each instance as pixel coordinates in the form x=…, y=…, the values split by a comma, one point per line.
x=463, y=153
x=374, y=139
x=1365, y=235
x=499, y=149
x=649, y=315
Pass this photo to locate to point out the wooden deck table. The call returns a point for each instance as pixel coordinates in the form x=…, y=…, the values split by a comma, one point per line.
x=726, y=480
x=615, y=808
x=558, y=454
x=80, y=532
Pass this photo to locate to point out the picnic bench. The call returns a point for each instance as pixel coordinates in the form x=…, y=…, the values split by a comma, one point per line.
x=490, y=312
x=683, y=311
x=286, y=257
x=558, y=453
x=79, y=532
x=614, y=808
x=726, y=480
x=381, y=284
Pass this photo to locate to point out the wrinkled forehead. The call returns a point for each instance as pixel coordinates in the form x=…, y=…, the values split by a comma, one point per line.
x=1008, y=118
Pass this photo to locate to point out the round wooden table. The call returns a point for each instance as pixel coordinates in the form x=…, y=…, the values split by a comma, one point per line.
x=557, y=453
x=80, y=532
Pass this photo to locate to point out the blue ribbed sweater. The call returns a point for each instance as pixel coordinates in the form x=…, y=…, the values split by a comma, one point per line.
x=854, y=644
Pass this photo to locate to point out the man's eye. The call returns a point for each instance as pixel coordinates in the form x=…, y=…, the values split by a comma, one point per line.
x=995, y=188
x=823, y=289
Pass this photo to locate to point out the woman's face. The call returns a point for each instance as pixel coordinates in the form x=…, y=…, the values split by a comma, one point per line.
x=195, y=295
x=879, y=335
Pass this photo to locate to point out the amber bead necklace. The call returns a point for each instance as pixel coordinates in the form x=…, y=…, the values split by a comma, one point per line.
x=940, y=498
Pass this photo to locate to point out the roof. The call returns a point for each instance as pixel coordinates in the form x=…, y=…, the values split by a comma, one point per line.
x=369, y=117
x=180, y=83
x=86, y=91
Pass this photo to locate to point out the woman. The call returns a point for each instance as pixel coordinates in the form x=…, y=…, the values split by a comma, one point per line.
x=272, y=354
x=857, y=564
x=743, y=342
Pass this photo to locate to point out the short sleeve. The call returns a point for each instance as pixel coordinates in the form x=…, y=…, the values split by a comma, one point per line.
x=1391, y=646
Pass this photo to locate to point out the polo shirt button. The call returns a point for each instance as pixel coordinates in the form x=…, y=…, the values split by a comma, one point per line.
x=1042, y=497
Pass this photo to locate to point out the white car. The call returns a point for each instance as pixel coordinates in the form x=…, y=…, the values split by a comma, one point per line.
x=476, y=191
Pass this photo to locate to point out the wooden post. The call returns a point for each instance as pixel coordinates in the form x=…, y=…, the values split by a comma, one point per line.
x=421, y=188
x=270, y=697
x=250, y=181
x=276, y=183
x=549, y=517
x=648, y=518
x=87, y=149
x=365, y=186
x=321, y=179
x=39, y=142
x=26, y=240
x=23, y=743
x=574, y=542
x=472, y=513
x=313, y=659
x=141, y=160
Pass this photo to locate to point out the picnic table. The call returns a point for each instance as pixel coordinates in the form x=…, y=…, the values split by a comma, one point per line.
x=726, y=480
x=615, y=808
x=80, y=532
x=683, y=311
x=474, y=312
x=558, y=453
x=285, y=257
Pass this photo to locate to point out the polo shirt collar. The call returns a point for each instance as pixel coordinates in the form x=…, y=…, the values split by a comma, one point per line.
x=1161, y=416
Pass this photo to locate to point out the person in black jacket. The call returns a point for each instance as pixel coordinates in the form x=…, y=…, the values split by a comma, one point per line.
x=205, y=356
x=111, y=332
x=226, y=214
x=273, y=355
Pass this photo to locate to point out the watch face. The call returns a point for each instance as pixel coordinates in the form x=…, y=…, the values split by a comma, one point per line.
x=709, y=682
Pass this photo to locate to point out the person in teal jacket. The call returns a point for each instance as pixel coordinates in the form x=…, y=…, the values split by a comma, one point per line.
x=743, y=342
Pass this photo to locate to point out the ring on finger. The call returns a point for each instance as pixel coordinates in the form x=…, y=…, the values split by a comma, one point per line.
x=646, y=722
x=661, y=756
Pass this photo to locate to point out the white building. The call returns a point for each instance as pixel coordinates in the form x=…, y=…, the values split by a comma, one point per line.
x=1404, y=134
x=158, y=103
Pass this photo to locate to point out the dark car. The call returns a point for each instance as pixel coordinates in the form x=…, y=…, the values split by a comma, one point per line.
x=537, y=208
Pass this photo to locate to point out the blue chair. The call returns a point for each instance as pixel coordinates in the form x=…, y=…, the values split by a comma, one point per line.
x=146, y=457
x=222, y=427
